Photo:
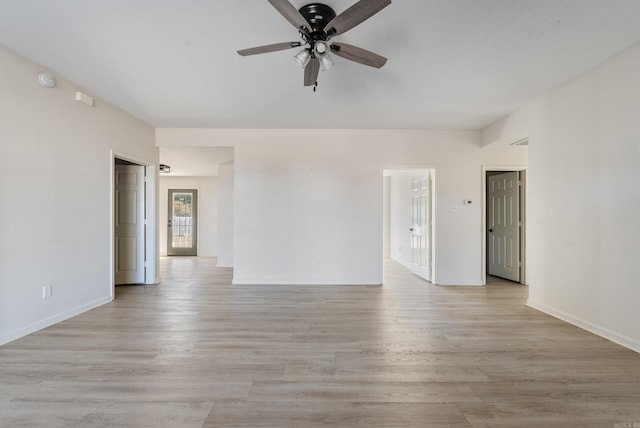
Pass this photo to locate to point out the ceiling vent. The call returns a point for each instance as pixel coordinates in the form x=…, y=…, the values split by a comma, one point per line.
x=521, y=142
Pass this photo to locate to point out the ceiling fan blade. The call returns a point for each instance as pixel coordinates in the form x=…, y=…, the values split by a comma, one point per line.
x=290, y=13
x=354, y=53
x=269, y=48
x=355, y=15
x=311, y=72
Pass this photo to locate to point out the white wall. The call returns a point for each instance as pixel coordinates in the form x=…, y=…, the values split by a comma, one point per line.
x=225, y=215
x=207, y=211
x=56, y=193
x=309, y=202
x=584, y=200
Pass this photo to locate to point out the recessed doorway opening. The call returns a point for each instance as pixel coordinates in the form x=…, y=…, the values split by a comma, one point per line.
x=133, y=221
x=504, y=223
x=409, y=219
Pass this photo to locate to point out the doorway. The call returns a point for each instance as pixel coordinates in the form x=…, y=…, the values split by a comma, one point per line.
x=133, y=253
x=408, y=218
x=504, y=224
x=182, y=222
x=129, y=222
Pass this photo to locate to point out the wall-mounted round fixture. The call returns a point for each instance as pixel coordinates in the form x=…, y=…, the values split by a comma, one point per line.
x=46, y=80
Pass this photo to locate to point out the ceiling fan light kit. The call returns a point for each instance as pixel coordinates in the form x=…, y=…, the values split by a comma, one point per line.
x=318, y=23
x=303, y=57
x=326, y=62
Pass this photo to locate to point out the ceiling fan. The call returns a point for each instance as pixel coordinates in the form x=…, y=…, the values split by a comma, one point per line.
x=318, y=24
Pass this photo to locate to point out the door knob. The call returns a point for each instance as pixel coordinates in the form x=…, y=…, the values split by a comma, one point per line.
x=490, y=230
x=411, y=229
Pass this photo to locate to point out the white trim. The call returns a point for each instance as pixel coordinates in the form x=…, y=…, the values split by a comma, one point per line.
x=39, y=325
x=305, y=281
x=462, y=283
x=112, y=229
x=485, y=169
x=151, y=244
x=434, y=223
x=627, y=342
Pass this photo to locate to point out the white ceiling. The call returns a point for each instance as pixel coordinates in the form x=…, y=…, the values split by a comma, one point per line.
x=453, y=64
x=196, y=161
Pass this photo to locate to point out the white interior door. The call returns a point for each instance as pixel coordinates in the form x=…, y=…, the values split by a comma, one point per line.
x=421, y=226
x=503, y=223
x=129, y=224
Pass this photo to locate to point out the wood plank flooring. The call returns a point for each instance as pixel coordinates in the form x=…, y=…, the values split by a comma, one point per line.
x=195, y=351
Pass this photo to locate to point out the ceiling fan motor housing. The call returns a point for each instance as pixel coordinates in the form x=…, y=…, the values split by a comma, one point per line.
x=318, y=15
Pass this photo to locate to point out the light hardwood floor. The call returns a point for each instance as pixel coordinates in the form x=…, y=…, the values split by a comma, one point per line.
x=195, y=351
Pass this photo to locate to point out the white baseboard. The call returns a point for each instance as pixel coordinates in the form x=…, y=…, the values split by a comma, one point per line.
x=303, y=282
x=39, y=325
x=627, y=342
x=462, y=283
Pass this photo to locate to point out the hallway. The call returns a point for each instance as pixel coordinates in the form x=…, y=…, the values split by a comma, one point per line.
x=196, y=351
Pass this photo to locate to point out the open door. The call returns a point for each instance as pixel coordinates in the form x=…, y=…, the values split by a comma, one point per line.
x=129, y=224
x=421, y=226
x=503, y=225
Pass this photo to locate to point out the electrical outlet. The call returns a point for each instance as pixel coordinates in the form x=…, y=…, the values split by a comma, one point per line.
x=47, y=291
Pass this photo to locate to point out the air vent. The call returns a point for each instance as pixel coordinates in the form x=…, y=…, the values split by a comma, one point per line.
x=522, y=142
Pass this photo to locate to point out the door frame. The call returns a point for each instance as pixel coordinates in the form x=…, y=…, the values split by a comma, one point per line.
x=196, y=229
x=433, y=175
x=523, y=204
x=151, y=208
